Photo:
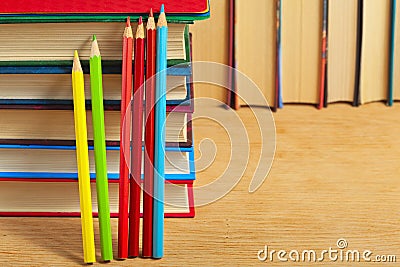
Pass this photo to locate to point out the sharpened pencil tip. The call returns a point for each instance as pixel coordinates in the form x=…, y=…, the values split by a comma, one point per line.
x=128, y=21
x=140, y=20
x=162, y=8
x=94, y=37
x=76, y=65
x=151, y=12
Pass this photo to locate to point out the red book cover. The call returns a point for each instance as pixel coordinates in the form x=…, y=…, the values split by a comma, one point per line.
x=102, y=6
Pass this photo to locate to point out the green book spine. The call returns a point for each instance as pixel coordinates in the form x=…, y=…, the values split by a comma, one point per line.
x=88, y=18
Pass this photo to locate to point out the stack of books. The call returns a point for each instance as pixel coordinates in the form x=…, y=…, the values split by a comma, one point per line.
x=38, y=171
x=320, y=51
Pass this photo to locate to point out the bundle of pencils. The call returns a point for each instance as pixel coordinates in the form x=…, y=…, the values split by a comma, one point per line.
x=130, y=129
x=154, y=162
x=100, y=156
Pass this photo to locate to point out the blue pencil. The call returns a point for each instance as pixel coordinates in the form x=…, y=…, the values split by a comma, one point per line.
x=159, y=146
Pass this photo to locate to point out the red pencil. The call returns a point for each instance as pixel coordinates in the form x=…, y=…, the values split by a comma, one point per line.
x=147, y=239
x=126, y=94
x=136, y=151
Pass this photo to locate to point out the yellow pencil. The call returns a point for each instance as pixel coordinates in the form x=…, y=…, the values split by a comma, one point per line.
x=82, y=155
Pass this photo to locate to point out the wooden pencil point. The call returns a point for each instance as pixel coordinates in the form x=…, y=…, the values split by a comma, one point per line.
x=128, y=32
x=94, y=37
x=162, y=20
x=128, y=22
x=95, y=51
x=140, y=31
x=151, y=25
x=151, y=12
x=76, y=66
x=140, y=20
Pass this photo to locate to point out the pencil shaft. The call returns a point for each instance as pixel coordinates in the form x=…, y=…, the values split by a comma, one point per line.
x=136, y=151
x=100, y=158
x=83, y=166
x=159, y=149
x=126, y=94
x=147, y=241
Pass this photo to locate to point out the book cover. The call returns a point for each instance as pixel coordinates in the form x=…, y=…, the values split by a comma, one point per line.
x=59, y=162
x=251, y=47
x=301, y=51
x=374, y=68
x=32, y=7
x=54, y=55
x=342, y=40
x=60, y=198
x=53, y=91
x=56, y=127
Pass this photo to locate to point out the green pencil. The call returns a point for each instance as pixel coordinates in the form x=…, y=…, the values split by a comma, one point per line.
x=96, y=85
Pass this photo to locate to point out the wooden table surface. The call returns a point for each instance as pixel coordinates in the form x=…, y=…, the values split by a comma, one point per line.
x=336, y=174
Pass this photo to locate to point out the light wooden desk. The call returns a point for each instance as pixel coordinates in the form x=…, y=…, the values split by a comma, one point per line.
x=336, y=175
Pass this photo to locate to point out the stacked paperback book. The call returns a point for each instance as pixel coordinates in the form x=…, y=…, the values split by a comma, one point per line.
x=37, y=137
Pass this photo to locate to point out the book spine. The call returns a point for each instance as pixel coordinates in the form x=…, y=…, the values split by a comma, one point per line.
x=392, y=52
x=360, y=11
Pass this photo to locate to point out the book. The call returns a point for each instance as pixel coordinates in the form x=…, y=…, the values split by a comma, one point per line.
x=60, y=197
x=342, y=40
x=43, y=42
x=44, y=162
x=253, y=45
x=396, y=66
x=375, y=51
x=116, y=7
x=55, y=89
x=56, y=127
x=301, y=50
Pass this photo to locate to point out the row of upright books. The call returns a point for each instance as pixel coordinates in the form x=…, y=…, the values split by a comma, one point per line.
x=38, y=171
x=320, y=51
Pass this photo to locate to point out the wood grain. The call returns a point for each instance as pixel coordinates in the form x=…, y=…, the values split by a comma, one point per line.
x=335, y=175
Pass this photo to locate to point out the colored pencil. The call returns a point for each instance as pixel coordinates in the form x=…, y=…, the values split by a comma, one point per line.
x=147, y=241
x=360, y=10
x=99, y=136
x=160, y=113
x=392, y=52
x=136, y=150
x=126, y=94
x=323, y=55
x=82, y=155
